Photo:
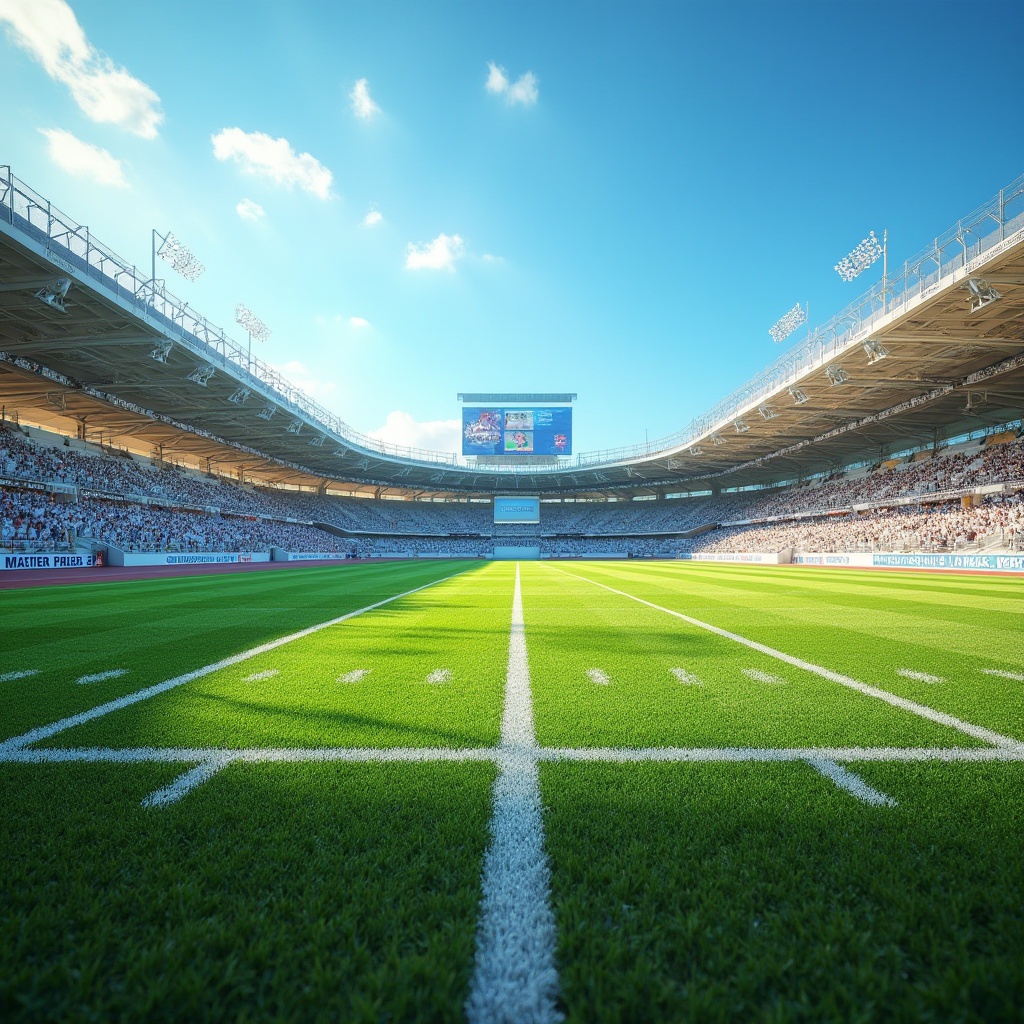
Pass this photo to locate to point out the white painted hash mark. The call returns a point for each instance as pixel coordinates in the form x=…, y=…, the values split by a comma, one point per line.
x=99, y=677
x=921, y=677
x=852, y=783
x=686, y=678
x=761, y=677
x=258, y=676
x=9, y=677
x=596, y=675
x=439, y=675
x=185, y=783
x=1019, y=676
x=354, y=676
x=514, y=974
x=977, y=731
x=44, y=732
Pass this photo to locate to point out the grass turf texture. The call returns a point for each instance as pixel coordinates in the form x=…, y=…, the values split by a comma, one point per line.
x=714, y=891
x=161, y=628
x=763, y=893
x=865, y=624
x=460, y=626
x=285, y=893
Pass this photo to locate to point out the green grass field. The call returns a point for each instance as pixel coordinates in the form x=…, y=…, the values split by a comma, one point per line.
x=736, y=794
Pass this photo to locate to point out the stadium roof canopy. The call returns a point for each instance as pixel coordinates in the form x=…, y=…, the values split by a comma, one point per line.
x=934, y=351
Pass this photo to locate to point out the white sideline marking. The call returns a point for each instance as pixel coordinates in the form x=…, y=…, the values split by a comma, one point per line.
x=686, y=678
x=596, y=675
x=977, y=731
x=1006, y=675
x=259, y=676
x=184, y=784
x=99, y=677
x=921, y=677
x=439, y=675
x=761, y=677
x=411, y=755
x=514, y=974
x=9, y=677
x=853, y=784
x=44, y=732
x=354, y=676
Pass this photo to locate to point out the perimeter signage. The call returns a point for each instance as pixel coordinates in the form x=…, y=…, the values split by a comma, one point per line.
x=51, y=561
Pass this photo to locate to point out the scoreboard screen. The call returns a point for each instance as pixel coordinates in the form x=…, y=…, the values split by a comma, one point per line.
x=519, y=430
x=515, y=509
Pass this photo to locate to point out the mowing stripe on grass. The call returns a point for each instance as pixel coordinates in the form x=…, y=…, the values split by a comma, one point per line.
x=598, y=676
x=46, y=731
x=99, y=677
x=762, y=677
x=9, y=677
x=853, y=784
x=686, y=678
x=977, y=731
x=183, y=784
x=1018, y=676
x=514, y=974
x=920, y=677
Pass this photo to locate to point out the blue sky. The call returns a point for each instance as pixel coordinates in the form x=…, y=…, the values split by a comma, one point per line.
x=616, y=199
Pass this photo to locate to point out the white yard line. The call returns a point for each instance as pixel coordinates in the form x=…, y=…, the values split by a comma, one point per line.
x=686, y=678
x=762, y=677
x=598, y=676
x=354, y=676
x=728, y=755
x=1018, y=676
x=258, y=677
x=920, y=677
x=853, y=784
x=185, y=783
x=99, y=677
x=44, y=732
x=9, y=677
x=514, y=976
x=977, y=731
x=439, y=675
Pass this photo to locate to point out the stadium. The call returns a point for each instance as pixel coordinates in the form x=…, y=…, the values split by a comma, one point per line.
x=303, y=723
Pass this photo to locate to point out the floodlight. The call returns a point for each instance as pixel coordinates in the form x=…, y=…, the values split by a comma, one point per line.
x=787, y=324
x=54, y=293
x=696, y=450
x=767, y=411
x=799, y=395
x=253, y=325
x=161, y=350
x=239, y=396
x=875, y=351
x=267, y=412
x=982, y=293
x=318, y=442
x=201, y=375
x=860, y=258
x=717, y=439
x=740, y=426
x=295, y=426
x=836, y=374
x=180, y=257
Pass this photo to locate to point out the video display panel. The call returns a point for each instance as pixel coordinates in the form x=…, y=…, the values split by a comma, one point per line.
x=516, y=509
x=542, y=430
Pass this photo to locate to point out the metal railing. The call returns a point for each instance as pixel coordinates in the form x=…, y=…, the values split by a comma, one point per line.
x=973, y=240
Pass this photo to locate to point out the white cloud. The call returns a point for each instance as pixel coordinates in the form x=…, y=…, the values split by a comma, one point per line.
x=489, y=257
x=106, y=93
x=362, y=105
x=248, y=210
x=440, y=254
x=523, y=90
x=358, y=321
x=373, y=218
x=257, y=153
x=436, y=435
x=298, y=375
x=497, y=79
x=84, y=160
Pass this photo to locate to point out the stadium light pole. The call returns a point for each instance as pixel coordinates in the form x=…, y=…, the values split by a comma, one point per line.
x=787, y=324
x=253, y=326
x=179, y=256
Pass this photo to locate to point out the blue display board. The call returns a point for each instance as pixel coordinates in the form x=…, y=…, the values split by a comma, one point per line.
x=517, y=431
x=516, y=509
